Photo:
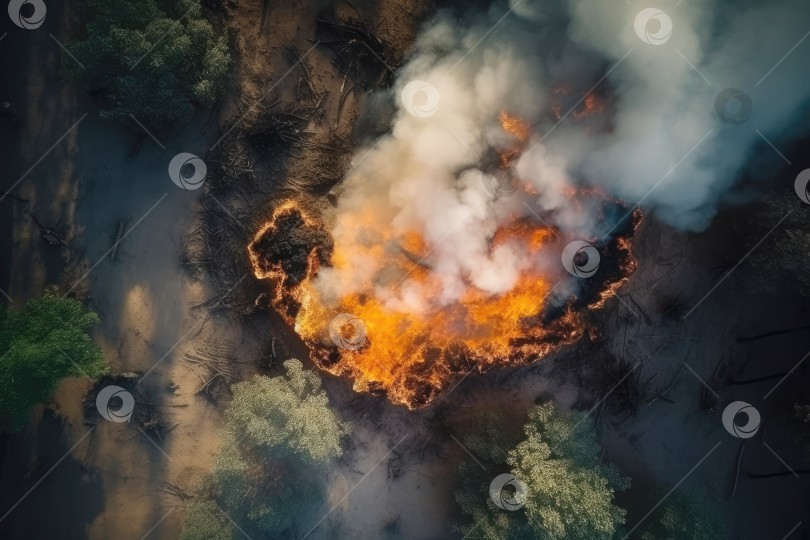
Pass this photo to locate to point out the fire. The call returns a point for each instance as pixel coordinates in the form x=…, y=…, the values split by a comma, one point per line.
x=519, y=130
x=590, y=105
x=412, y=356
x=415, y=345
x=515, y=126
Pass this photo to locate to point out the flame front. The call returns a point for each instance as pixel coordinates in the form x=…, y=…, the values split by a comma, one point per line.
x=409, y=355
x=416, y=343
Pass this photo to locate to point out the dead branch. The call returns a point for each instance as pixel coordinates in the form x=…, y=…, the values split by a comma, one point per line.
x=173, y=489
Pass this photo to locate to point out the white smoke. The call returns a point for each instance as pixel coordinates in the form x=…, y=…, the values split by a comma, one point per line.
x=658, y=142
x=665, y=107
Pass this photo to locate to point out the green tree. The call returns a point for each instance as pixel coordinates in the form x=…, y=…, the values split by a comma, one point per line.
x=205, y=521
x=569, y=491
x=41, y=344
x=280, y=434
x=287, y=417
x=490, y=442
x=154, y=59
x=681, y=518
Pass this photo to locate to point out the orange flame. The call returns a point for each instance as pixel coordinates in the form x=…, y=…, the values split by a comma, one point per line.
x=519, y=130
x=590, y=105
x=414, y=354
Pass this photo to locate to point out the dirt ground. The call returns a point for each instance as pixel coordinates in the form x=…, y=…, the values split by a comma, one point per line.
x=112, y=481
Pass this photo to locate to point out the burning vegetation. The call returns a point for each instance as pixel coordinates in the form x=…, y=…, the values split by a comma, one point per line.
x=411, y=356
x=396, y=333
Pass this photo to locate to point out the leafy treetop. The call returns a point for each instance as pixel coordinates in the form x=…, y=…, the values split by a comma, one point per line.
x=570, y=491
x=41, y=344
x=681, y=518
x=287, y=416
x=205, y=521
x=154, y=59
x=279, y=434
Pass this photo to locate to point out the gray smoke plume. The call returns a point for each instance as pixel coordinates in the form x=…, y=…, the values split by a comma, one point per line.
x=661, y=132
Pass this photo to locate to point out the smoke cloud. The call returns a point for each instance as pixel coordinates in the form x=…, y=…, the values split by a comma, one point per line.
x=655, y=133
